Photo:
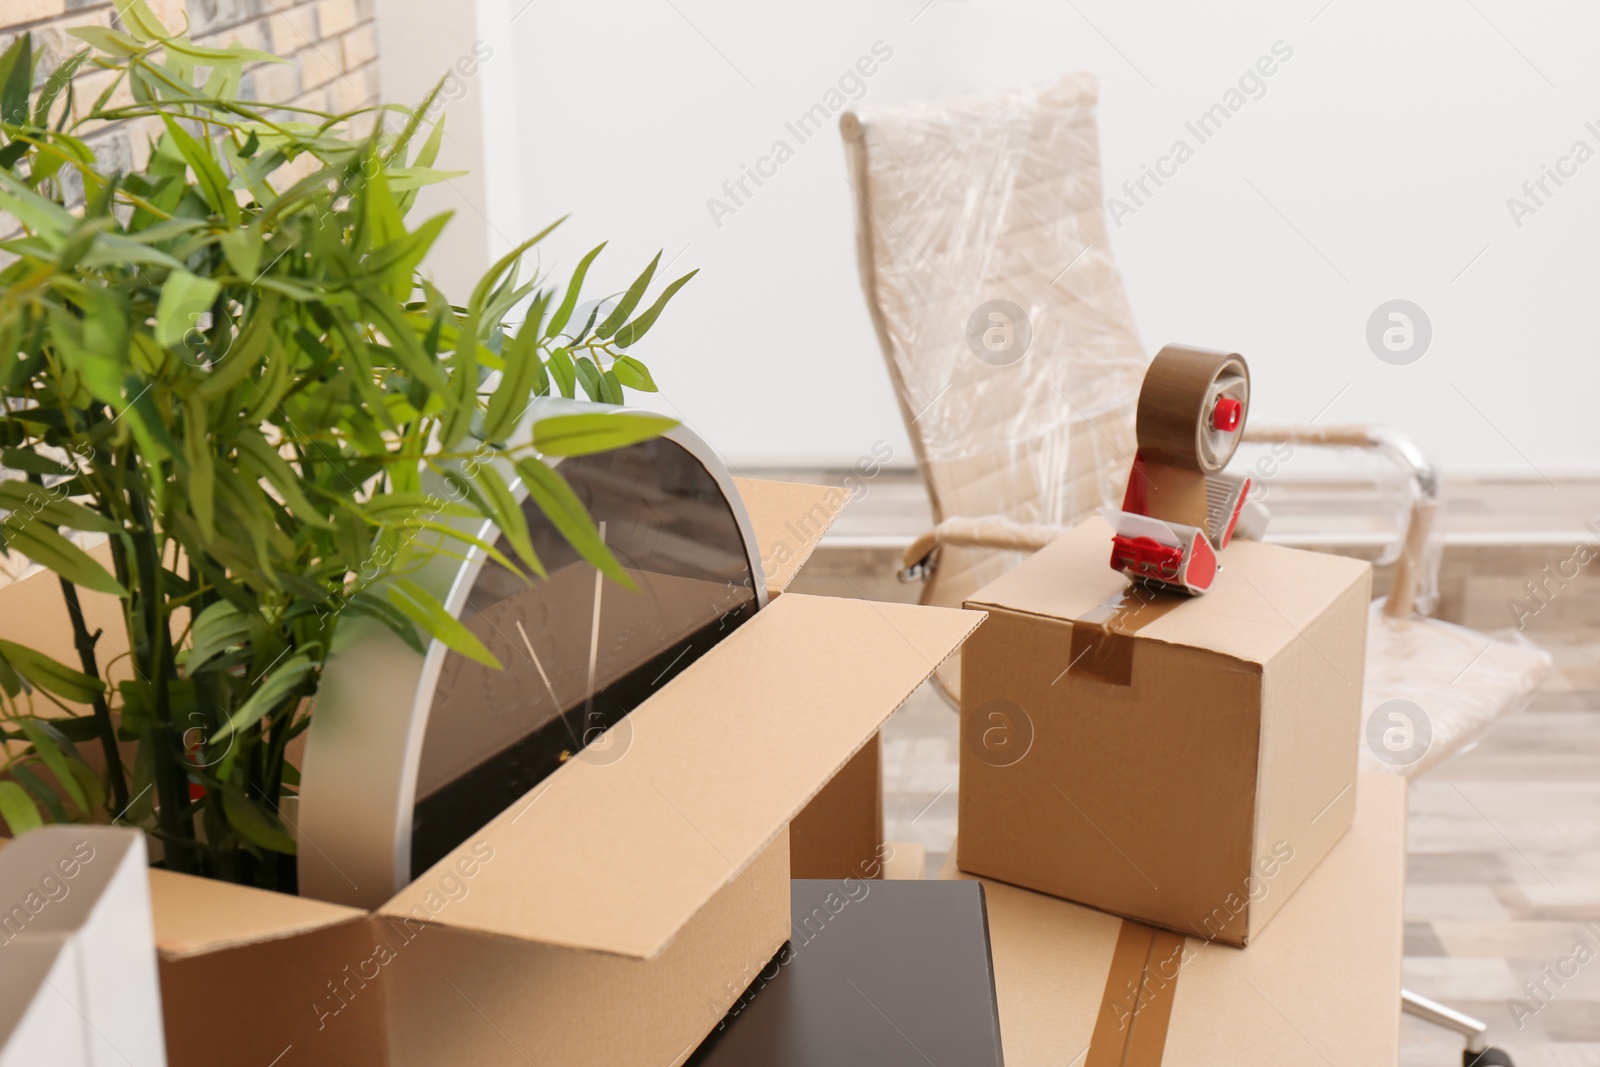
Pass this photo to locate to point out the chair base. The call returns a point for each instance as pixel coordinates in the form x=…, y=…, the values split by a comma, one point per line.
x=1476, y=1054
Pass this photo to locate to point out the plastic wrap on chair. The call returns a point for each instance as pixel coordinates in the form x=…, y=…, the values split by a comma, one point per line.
x=1000, y=311
x=1433, y=688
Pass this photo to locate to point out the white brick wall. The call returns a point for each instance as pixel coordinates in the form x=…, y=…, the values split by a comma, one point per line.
x=332, y=45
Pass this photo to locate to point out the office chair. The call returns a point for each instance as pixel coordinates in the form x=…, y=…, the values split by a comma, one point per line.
x=988, y=273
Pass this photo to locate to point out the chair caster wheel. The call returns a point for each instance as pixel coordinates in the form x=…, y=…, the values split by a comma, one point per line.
x=1489, y=1057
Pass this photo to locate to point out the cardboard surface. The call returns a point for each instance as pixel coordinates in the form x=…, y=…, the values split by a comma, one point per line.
x=615, y=914
x=1321, y=985
x=837, y=835
x=1185, y=761
x=194, y=916
x=616, y=857
x=839, y=832
x=461, y=998
x=789, y=519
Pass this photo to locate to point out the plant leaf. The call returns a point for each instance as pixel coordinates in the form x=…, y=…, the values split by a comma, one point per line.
x=42, y=671
x=184, y=298
x=254, y=824
x=629, y=301
x=634, y=375
x=18, y=809
x=54, y=754
x=599, y=431
x=19, y=496
x=555, y=498
x=641, y=325
x=269, y=692
x=507, y=514
x=216, y=629
x=570, y=299
x=45, y=546
x=428, y=613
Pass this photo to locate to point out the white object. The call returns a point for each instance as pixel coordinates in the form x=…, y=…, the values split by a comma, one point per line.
x=78, y=979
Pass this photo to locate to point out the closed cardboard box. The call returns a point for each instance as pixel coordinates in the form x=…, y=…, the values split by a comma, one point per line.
x=1321, y=986
x=1183, y=761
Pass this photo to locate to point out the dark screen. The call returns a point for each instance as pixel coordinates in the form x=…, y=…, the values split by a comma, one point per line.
x=579, y=651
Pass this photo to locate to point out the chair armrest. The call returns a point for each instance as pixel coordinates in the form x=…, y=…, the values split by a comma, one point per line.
x=1403, y=453
x=988, y=531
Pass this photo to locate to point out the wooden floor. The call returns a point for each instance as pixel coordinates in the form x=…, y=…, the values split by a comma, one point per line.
x=1503, y=894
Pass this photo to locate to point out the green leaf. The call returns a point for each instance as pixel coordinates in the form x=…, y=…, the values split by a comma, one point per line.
x=29, y=499
x=629, y=301
x=216, y=629
x=634, y=375
x=16, y=78
x=421, y=607
x=555, y=498
x=21, y=459
x=599, y=431
x=109, y=41
x=41, y=793
x=54, y=754
x=570, y=299
x=9, y=680
x=397, y=509
x=54, y=85
x=184, y=298
x=141, y=21
x=254, y=823
x=271, y=690
x=521, y=374
x=44, y=217
x=269, y=464
x=18, y=809
x=639, y=326
x=208, y=174
x=45, y=673
x=202, y=478
x=563, y=371
x=45, y=546
x=507, y=514
x=589, y=377
x=243, y=251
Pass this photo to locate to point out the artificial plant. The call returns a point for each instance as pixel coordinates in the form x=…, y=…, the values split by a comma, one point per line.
x=228, y=363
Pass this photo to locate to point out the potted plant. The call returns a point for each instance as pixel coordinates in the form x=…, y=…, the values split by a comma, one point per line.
x=227, y=363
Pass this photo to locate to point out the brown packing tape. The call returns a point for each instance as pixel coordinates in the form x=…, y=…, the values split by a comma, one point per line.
x=1102, y=637
x=1172, y=405
x=1136, y=1007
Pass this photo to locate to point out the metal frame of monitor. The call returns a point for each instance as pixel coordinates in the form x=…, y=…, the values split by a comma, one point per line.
x=364, y=746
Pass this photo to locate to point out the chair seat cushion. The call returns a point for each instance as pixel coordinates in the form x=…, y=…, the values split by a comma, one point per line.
x=1462, y=681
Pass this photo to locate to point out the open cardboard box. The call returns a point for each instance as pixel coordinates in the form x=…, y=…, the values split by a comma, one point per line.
x=613, y=914
x=1320, y=985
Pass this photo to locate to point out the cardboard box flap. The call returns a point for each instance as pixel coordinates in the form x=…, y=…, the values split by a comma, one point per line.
x=615, y=854
x=193, y=916
x=789, y=519
x=1238, y=617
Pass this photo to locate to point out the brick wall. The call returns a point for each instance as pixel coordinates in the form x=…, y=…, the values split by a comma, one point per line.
x=332, y=46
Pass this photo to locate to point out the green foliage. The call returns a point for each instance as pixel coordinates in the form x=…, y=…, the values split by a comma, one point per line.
x=228, y=362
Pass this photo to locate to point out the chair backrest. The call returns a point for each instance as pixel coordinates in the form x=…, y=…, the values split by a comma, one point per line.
x=1009, y=339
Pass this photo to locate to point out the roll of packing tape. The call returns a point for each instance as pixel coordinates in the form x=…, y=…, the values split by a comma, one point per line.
x=1192, y=408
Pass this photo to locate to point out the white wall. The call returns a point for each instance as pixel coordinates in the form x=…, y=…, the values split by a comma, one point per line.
x=1377, y=165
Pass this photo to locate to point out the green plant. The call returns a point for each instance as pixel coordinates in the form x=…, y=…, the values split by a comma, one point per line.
x=227, y=362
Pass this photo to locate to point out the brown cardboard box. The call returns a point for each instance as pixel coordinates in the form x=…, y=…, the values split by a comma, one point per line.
x=1321, y=986
x=1161, y=756
x=840, y=832
x=611, y=916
